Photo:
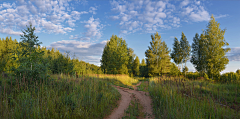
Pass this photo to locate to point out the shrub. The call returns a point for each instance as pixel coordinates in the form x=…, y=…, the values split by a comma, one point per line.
x=229, y=77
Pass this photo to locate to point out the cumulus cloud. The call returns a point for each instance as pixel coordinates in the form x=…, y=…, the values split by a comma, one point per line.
x=48, y=16
x=157, y=15
x=86, y=51
x=184, y=3
x=93, y=29
x=234, y=54
x=146, y=16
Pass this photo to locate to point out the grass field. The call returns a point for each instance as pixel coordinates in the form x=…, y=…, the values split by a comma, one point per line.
x=57, y=97
x=182, y=98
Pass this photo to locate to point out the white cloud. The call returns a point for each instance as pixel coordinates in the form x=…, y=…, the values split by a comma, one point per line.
x=200, y=15
x=184, y=3
x=48, y=16
x=220, y=16
x=157, y=15
x=89, y=52
x=92, y=10
x=145, y=16
x=234, y=54
x=93, y=28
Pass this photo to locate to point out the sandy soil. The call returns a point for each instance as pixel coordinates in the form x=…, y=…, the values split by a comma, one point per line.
x=126, y=93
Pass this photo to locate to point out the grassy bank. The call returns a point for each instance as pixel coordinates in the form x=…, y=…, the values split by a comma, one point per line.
x=57, y=97
x=182, y=98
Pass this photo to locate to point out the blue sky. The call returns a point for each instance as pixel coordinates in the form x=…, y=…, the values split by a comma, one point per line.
x=84, y=26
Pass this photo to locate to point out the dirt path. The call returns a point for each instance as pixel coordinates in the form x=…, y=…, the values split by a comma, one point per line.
x=126, y=93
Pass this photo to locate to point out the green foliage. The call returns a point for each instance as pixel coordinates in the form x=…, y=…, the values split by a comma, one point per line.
x=136, y=64
x=32, y=66
x=143, y=68
x=174, y=71
x=157, y=56
x=215, y=55
x=117, y=57
x=238, y=71
x=185, y=69
x=198, y=54
x=176, y=54
x=230, y=77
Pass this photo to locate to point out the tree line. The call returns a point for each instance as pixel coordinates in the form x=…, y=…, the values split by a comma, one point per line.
x=207, y=54
x=27, y=58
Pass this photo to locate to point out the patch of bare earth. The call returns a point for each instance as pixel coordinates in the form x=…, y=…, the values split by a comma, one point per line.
x=125, y=100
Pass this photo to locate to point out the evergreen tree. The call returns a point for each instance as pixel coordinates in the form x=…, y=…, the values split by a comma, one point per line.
x=31, y=62
x=136, y=66
x=186, y=48
x=143, y=68
x=176, y=54
x=198, y=54
x=157, y=57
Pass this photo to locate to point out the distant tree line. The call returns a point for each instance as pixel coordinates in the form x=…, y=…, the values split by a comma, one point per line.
x=27, y=58
x=207, y=54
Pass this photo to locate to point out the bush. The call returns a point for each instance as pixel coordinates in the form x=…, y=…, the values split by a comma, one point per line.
x=229, y=77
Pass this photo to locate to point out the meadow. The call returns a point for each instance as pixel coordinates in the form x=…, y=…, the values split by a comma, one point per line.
x=181, y=98
x=60, y=96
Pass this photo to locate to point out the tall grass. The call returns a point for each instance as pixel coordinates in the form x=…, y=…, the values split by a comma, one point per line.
x=182, y=98
x=119, y=80
x=57, y=97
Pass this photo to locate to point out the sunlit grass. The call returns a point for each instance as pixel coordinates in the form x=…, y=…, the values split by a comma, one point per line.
x=57, y=97
x=182, y=98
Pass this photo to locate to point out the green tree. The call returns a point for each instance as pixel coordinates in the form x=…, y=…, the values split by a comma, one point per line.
x=186, y=48
x=174, y=71
x=115, y=57
x=215, y=58
x=198, y=54
x=157, y=57
x=238, y=71
x=143, y=68
x=176, y=53
x=31, y=63
x=185, y=70
x=136, y=67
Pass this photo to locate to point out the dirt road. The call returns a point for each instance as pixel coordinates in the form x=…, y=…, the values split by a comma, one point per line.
x=126, y=93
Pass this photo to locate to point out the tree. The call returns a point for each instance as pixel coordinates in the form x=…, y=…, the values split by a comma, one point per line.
x=31, y=63
x=176, y=53
x=131, y=61
x=136, y=66
x=214, y=41
x=143, y=68
x=157, y=57
x=185, y=70
x=198, y=54
x=186, y=48
x=115, y=57
x=238, y=71
x=174, y=71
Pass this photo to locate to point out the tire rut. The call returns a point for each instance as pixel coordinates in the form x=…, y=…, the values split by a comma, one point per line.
x=125, y=100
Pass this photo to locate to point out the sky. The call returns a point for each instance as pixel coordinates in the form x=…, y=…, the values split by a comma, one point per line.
x=84, y=26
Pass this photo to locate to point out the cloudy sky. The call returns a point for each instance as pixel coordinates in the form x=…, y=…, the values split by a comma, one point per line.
x=84, y=26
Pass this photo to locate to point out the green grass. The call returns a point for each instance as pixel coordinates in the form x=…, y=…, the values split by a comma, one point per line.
x=57, y=97
x=143, y=86
x=118, y=80
x=182, y=98
x=134, y=110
